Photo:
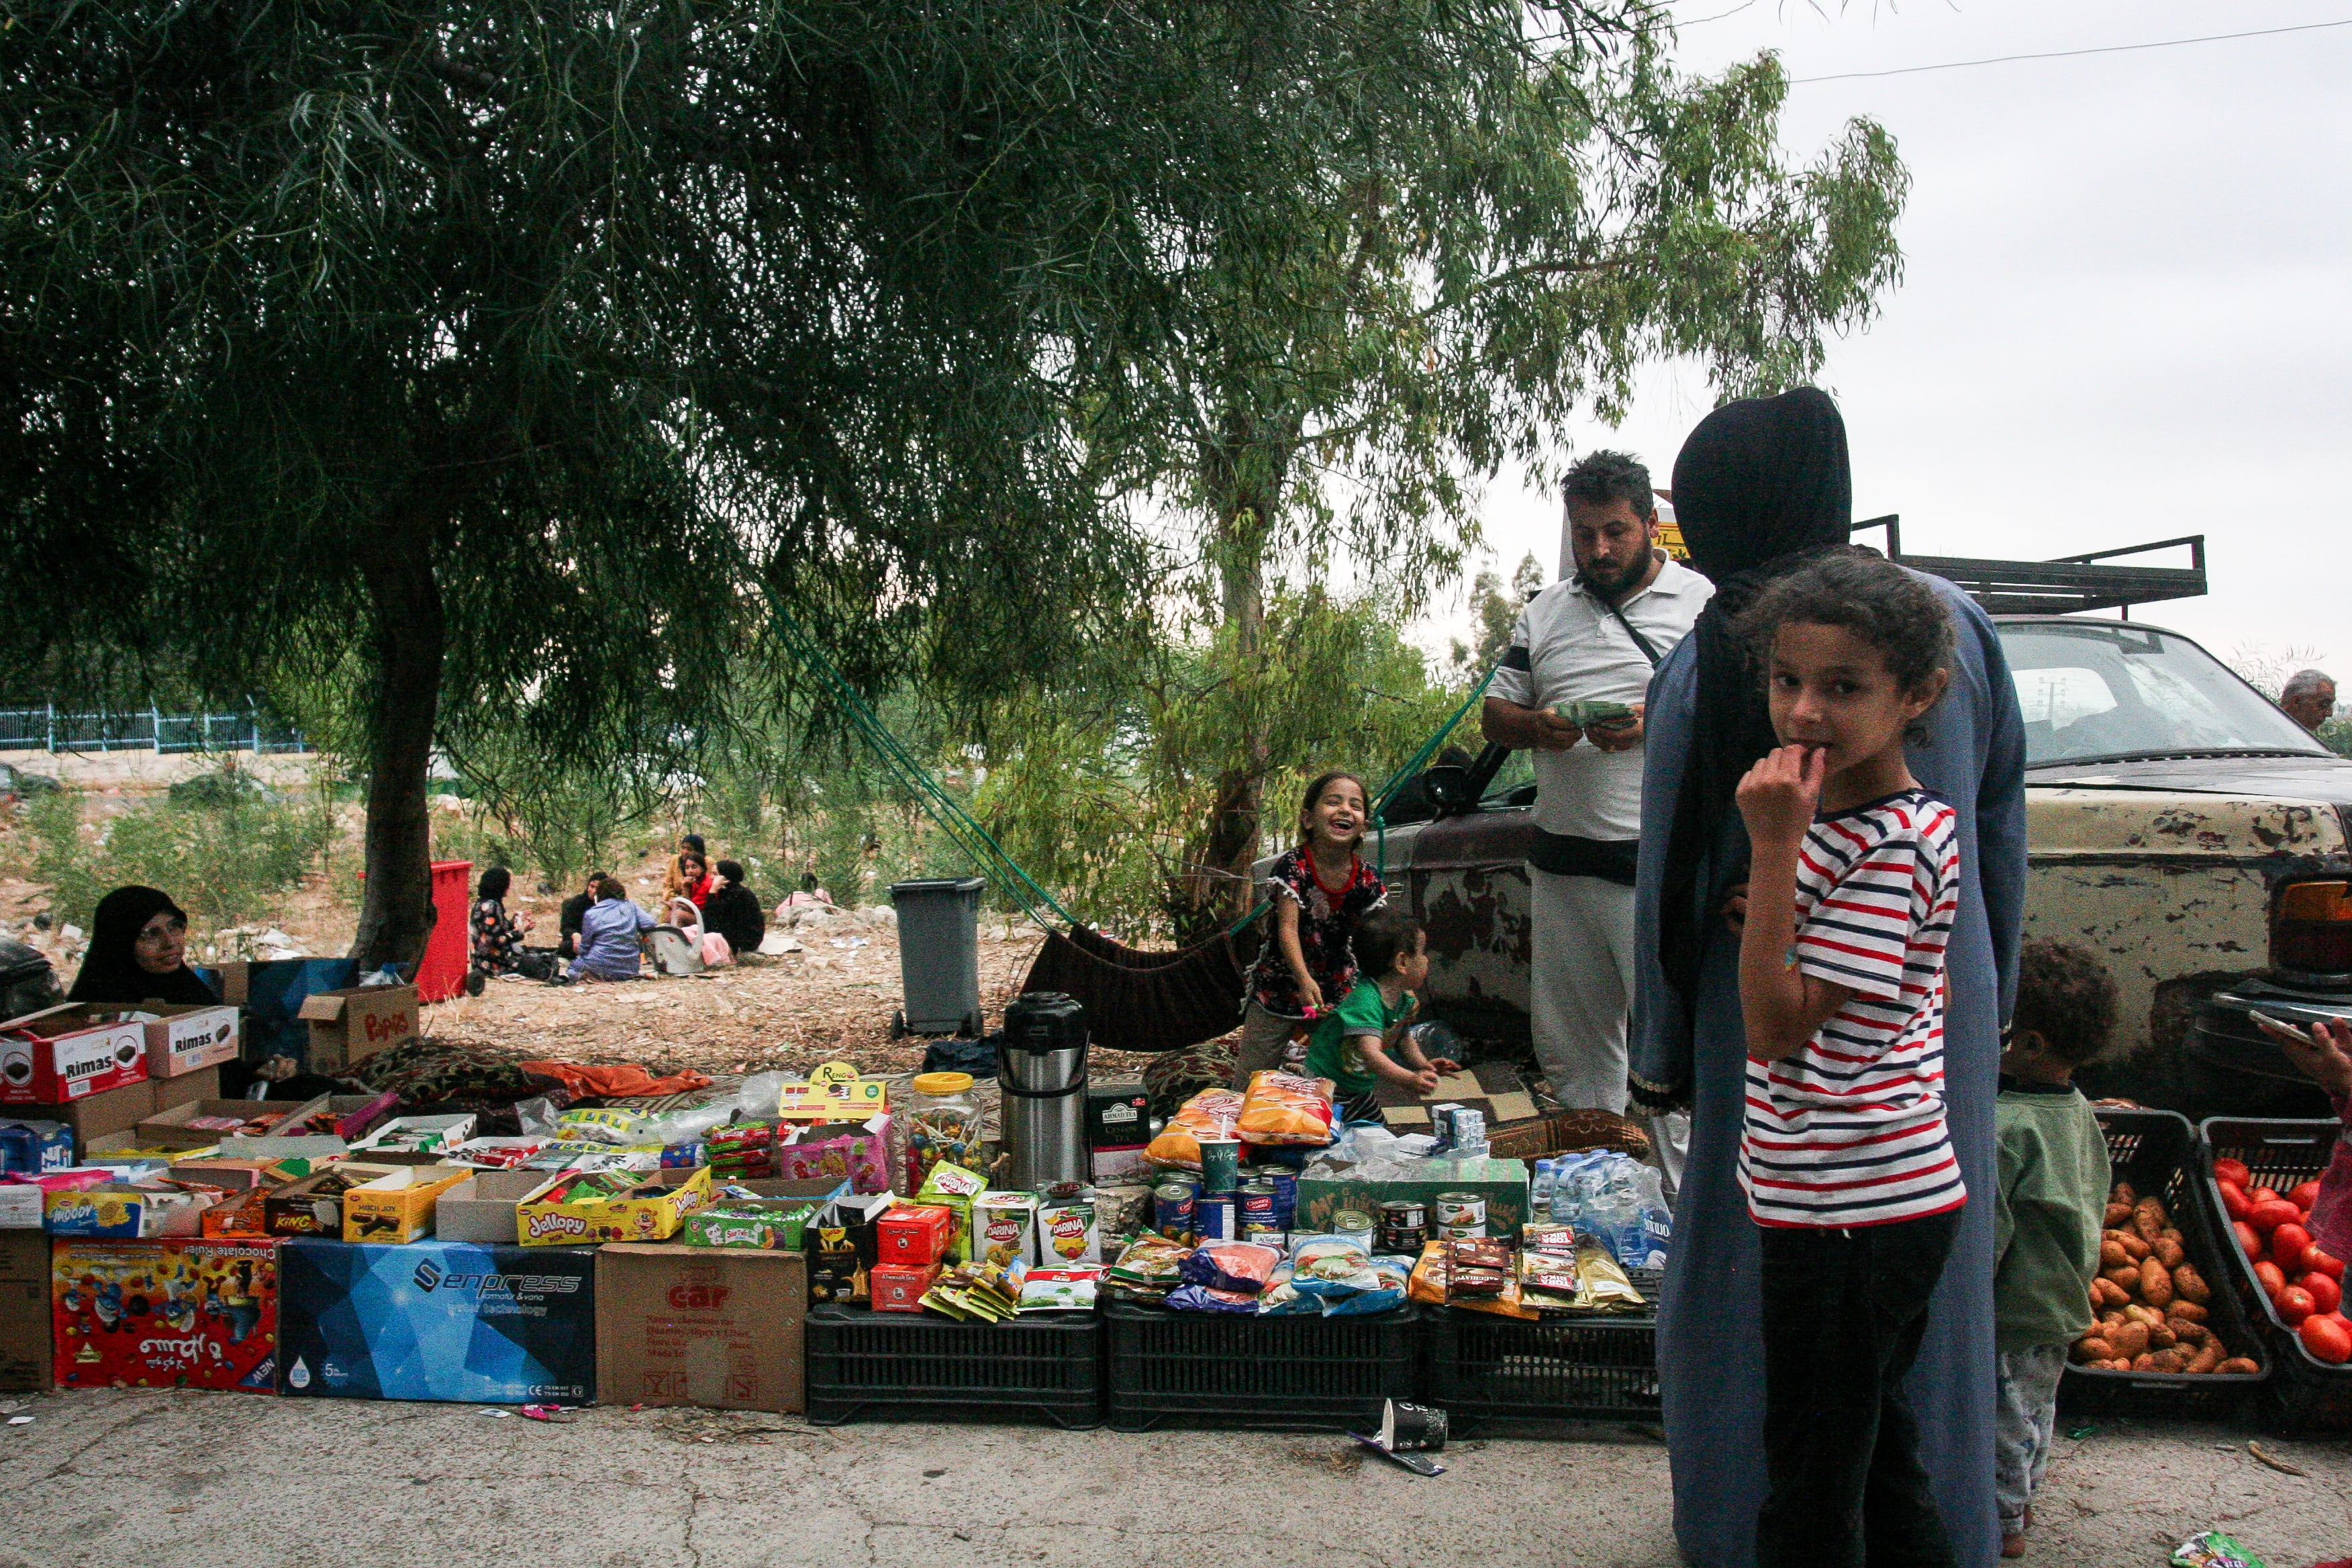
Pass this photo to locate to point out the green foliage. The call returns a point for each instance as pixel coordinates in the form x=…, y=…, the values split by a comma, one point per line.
x=227, y=862
x=1496, y=614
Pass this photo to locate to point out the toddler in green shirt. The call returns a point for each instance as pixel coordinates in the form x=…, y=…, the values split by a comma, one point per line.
x=2051, y=1166
x=1364, y=1039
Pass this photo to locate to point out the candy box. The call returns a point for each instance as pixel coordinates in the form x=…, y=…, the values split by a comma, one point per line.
x=855, y=1151
x=314, y=1205
x=899, y=1287
x=913, y=1233
x=766, y=1224
x=833, y=1092
x=1004, y=1229
x=398, y=1207
x=417, y=1135
x=165, y=1314
x=28, y=1145
x=23, y=1197
x=182, y=1040
x=66, y=1053
x=610, y=1205
x=123, y=1212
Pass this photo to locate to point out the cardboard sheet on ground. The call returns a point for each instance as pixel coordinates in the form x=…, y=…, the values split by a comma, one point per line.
x=1490, y=1087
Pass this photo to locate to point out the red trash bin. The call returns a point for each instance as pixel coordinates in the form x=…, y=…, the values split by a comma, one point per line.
x=442, y=972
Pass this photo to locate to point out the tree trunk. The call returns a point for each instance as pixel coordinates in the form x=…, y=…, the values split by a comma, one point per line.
x=396, y=913
x=1222, y=886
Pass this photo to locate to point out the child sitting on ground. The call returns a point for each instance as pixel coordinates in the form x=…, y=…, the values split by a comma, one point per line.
x=2050, y=1164
x=1364, y=1039
x=1319, y=889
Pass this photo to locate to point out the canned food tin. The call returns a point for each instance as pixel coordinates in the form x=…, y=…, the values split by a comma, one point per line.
x=1403, y=1240
x=1216, y=1217
x=1355, y=1226
x=1462, y=1232
x=1258, y=1207
x=1403, y=1212
x=1285, y=1198
x=1173, y=1205
x=1265, y=1236
x=1461, y=1208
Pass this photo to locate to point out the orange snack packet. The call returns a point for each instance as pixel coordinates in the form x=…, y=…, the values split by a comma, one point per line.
x=1283, y=1107
x=1211, y=1113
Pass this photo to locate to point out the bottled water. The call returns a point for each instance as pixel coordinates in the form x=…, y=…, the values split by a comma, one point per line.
x=1540, y=1197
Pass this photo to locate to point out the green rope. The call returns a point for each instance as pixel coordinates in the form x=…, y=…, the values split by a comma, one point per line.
x=978, y=844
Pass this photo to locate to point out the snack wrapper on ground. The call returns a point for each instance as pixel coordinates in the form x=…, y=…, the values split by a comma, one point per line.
x=1211, y=1113
x=1284, y=1108
x=1241, y=1267
x=2212, y=1549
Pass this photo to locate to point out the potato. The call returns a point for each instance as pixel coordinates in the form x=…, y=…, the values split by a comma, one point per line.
x=2238, y=1364
x=2144, y=1362
x=2160, y=1337
x=2206, y=1358
x=2136, y=1313
x=2130, y=1341
x=2186, y=1333
x=2087, y=1350
x=2117, y=1215
x=2124, y=1194
x=2111, y=1255
x=2180, y=1309
x=2170, y=1361
x=2190, y=1285
x=2155, y=1284
x=2107, y=1293
x=2167, y=1252
x=2147, y=1218
x=2127, y=1277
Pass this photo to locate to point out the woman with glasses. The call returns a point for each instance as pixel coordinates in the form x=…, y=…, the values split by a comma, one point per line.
x=138, y=952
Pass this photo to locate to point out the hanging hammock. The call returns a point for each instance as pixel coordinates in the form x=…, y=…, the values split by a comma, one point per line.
x=1136, y=999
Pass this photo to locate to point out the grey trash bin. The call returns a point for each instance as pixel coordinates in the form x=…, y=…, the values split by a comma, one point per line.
x=938, y=954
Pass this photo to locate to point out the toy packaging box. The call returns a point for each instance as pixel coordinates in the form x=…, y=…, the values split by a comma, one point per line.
x=164, y=1314
x=438, y=1319
x=611, y=1205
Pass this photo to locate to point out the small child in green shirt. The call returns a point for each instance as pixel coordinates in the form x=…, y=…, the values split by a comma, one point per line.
x=1364, y=1039
x=2052, y=1173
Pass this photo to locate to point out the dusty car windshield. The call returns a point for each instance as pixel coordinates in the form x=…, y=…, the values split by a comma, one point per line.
x=2108, y=690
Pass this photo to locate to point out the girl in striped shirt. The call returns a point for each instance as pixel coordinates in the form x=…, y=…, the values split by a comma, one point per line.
x=1844, y=1157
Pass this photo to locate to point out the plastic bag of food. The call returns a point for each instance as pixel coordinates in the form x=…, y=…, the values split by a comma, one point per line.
x=1320, y=1263
x=1281, y=1298
x=1388, y=1275
x=2212, y=1549
x=604, y=1126
x=1150, y=1262
x=1059, y=1290
x=1201, y=1299
x=1211, y=1113
x=1283, y=1107
x=1242, y=1267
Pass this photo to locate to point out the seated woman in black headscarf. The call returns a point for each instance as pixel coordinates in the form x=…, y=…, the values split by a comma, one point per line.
x=733, y=910
x=138, y=952
x=497, y=936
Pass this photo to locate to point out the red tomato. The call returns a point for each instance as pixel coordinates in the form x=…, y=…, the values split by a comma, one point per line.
x=2326, y=1295
x=2261, y=1194
x=2267, y=1216
x=2271, y=1277
x=2234, y=1199
x=2326, y=1337
x=2317, y=1262
x=2294, y=1304
x=2232, y=1170
x=2248, y=1241
x=2303, y=1197
x=2287, y=1243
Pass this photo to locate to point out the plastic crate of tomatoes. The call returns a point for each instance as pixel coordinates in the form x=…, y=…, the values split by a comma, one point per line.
x=2261, y=1178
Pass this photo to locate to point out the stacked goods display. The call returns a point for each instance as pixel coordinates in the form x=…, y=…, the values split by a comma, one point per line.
x=2163, y=1339
x=2263, y=1184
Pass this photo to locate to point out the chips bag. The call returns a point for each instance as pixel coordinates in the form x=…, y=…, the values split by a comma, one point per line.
x=1211, y=1113
x=1283, y=1107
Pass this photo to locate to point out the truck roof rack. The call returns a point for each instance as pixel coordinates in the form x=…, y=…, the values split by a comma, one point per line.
x=2065, y=587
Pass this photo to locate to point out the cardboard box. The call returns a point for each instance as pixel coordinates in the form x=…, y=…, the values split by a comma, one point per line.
x=28, y=1145
x=427, y=1135
x=127, y=1152
x=202, y=1084
x=349, y=1027
x=1119, y=1114
x=123, y=1212
x=438, y=1319
x=179, y=1125
x=353, y=1115
x=698, y=1325
x=481, y=1208
x=652, y=1210
x=398, y=1207
x=901, y=1287
x=23, y=1311
x=67, y=1053
x=1111, y=1167
x=314, y=1205
x=774, y=1225
x=182, y=1040
x=164, y=1314
x=1502, y=1183
x=243, y=1214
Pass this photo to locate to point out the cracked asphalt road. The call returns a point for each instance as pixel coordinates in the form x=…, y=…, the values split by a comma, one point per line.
x=134, y=1480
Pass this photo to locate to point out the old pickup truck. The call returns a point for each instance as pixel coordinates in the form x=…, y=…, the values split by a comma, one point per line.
x=2179, y=825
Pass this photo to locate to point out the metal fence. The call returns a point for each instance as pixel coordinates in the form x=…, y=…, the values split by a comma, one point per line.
x=50, y=729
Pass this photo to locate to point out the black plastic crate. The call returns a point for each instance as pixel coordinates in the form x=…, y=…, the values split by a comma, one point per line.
x=905, y=1366
x=2306, y=1395
x=1480, y=1367
x=1306, y=1373
x=2156, y=1152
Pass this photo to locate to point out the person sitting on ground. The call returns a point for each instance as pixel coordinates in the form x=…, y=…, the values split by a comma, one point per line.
x=610, y=934
x=733, y=910
x=2309, y=698
x=808, y=893
x=2052, y=1166
x=574, y=908
x=675, y=880
x=1364, y=1039
x=694, y=880
x=497, y=935
x=138, y=952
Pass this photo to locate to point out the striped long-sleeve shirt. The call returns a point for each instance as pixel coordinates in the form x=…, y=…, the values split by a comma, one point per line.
x=1848, y=1131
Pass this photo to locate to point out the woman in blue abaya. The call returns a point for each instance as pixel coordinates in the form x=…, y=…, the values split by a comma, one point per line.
x=1762, y=485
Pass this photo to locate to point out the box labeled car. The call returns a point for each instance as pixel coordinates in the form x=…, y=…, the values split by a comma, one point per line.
x=699, y=1325
x=438, y=1319
x=164, y=1314
x=68, y=1053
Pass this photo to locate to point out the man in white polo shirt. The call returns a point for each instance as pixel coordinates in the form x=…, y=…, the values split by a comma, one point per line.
x=1595, y=637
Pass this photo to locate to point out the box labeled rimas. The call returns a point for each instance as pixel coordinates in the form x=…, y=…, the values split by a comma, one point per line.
x=60, y=1055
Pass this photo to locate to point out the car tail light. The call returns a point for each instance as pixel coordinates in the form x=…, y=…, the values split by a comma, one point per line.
x=2312, y=931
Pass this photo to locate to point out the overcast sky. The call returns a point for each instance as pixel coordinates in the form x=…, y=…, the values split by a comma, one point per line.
x=2124, y=309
